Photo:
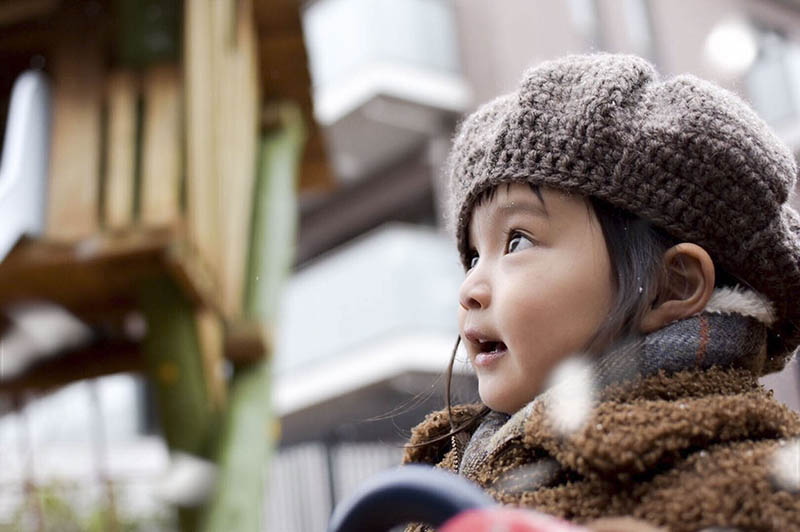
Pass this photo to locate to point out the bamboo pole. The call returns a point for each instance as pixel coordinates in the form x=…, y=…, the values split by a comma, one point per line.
x=175, y=364
x=174, y=361
x=247, y=433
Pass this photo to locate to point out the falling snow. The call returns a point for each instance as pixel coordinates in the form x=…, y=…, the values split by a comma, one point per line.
x=570, y=397
x=785, y=471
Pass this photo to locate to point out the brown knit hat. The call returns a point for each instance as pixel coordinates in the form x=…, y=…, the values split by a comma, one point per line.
x=686, y=155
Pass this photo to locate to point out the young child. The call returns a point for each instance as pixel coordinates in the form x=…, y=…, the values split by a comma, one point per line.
x=642, y=223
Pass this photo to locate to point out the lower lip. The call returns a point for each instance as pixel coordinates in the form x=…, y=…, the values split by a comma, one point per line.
x=487, y=359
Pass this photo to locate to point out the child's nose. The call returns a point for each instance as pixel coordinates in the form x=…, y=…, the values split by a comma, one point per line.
x=475, y=292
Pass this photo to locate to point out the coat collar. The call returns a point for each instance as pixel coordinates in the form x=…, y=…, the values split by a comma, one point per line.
x=693, y=383
x=634, y=429
x=655, y=421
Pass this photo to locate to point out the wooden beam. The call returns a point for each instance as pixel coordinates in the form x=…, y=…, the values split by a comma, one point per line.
x=96, y=360
x=103, y=272
x=284, y=73
x=275, y=17
x=247, y=342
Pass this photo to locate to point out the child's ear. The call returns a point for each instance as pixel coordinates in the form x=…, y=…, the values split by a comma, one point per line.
x=688, y=285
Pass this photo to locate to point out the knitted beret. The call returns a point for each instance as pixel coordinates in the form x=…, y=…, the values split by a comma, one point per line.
x=688, y=156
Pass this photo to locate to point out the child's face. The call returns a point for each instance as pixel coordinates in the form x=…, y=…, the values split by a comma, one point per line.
x=539, y=288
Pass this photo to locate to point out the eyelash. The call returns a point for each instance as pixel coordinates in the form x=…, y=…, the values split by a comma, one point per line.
x=508, y=235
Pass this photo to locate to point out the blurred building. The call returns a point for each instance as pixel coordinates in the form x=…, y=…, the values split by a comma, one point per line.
x=370, y=315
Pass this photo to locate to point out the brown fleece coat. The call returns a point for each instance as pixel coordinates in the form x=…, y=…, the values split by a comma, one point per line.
x=684, y=451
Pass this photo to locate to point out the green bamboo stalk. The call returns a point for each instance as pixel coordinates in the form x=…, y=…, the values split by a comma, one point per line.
x=175, y=365
x=275, y=215
x=247, y=435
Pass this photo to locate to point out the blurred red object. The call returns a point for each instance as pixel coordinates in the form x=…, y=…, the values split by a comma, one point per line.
x=507, y=520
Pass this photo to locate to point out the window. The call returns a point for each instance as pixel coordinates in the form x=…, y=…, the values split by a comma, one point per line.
x=773, y=81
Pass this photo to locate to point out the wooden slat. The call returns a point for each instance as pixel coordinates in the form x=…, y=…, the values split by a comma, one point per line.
x=161, y=145
x=203, y=215
x=75, y=146
x=237, y=122
x=210, y=333
x=120, y=153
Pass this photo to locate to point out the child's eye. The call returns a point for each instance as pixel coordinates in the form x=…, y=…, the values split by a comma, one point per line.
x=473, y=260
x=519, y=242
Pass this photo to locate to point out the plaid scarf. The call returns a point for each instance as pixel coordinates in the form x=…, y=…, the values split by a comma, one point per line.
x=723, y=336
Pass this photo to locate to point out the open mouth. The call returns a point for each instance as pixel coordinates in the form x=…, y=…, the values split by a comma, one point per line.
x=489, y=352
x=492, y=347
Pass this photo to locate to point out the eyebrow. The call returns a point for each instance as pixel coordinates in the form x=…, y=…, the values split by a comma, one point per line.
x=524, y=206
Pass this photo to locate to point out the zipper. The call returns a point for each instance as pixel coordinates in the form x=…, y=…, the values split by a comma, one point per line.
x=482, y=456
x=458, y=453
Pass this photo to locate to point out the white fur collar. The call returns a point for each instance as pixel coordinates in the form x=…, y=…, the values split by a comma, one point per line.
x=739, y=300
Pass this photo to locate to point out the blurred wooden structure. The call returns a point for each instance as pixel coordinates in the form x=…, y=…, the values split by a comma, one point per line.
x=181, y=132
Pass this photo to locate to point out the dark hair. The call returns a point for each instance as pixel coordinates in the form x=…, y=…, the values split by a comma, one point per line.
x=635, y=249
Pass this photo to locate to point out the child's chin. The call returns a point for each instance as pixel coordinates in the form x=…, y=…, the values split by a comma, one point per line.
x=496, y=401
x=494, y=395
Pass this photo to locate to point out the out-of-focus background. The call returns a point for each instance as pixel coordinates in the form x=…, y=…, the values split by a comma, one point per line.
x=225, y=292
